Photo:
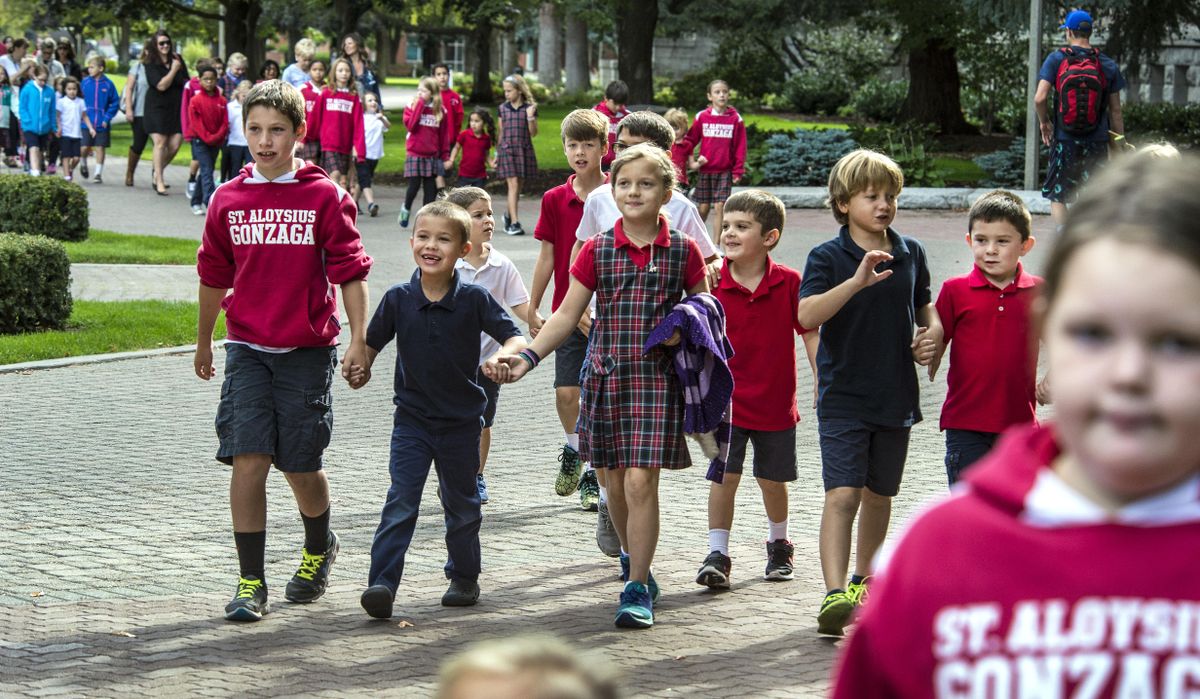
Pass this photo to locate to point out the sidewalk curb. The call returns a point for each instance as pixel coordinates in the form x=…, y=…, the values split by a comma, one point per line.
x=98, y=358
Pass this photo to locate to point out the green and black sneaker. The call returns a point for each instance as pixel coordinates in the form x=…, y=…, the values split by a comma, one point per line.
x=311, y=578
x=249, y=603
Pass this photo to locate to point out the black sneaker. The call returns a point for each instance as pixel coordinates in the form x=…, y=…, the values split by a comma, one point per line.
x=83, y=170
x=249, y=603
x=779, y=560
x=377, y=600
x=461, y=593
x=311, y=578
x=714, y=574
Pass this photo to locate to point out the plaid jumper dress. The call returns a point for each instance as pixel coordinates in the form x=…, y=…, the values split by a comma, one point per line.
x=514, y=153
x=631, y=405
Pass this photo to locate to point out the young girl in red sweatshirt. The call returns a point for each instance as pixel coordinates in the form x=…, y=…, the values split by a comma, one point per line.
x=721, y=135
x=310, y=151
x=427, y=146
x=1065, y=564
x=338, y=122
x=209, y=121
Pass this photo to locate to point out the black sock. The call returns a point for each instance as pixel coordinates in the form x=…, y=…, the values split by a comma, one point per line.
x=251, y=549
x=316, y=532
x=191, y=178
x=857, y=579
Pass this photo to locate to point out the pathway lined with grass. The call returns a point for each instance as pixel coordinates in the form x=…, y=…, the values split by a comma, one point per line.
x=108, y=247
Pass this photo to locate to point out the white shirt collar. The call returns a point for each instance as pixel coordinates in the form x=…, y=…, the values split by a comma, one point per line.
x=1052, y=503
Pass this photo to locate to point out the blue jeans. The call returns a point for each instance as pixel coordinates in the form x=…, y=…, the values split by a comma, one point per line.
x=963, y=448
x=455, y=456
x=206, y=155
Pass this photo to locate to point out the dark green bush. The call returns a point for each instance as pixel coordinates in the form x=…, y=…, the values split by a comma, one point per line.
x=910, y=145
x=35, y=283
x=1177, y=124
x=816, y=92
x=877, y=100
x=1006, y=168
x=48, y=206
x=803, y=157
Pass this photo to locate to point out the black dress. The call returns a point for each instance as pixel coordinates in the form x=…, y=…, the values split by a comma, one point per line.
x=162, y=106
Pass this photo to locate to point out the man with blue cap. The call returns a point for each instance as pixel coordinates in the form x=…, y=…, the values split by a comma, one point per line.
x=1087, y=86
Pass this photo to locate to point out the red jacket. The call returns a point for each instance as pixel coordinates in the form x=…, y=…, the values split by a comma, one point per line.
x=281, y=246
x=311, y=94
x=208, y=117
x=453, y=103
x=1017, y=587
x=426, y=137
x=337, y=119
x=722, y=140
x=189, y=90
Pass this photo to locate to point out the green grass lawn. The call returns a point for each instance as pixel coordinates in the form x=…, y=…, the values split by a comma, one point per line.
x=109, y=247
x=99, y=327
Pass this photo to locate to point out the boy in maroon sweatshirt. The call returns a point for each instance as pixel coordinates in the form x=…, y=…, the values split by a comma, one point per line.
x=209, y=121
x=721, y=135
x=280, y=235
x=453, y=104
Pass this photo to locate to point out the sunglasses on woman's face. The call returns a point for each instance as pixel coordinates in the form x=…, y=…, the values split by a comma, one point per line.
x=164, y=43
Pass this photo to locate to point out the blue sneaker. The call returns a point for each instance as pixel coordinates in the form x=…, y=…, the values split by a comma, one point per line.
x=403, y=218
x=636, y=608
x=655, y=593
x=481, y=486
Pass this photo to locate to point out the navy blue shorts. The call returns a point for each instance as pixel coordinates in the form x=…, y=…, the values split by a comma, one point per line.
x=277, y=404
x=774, y=453
x=1072, y=164
x=568, y=359
x=492, y=390
x=36, y=140
x=857, y=454
x=102, y=139
x=480, y=182
x=68, y=147
x=963, y=448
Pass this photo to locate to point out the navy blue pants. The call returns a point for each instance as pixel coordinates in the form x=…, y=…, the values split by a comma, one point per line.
x=454, y=454
x=206, y=155
x=963, y=448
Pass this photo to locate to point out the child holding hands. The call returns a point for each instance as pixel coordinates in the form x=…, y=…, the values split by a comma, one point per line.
x=631, y=417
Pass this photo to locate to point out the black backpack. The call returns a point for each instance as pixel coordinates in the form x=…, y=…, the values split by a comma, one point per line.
x=1082, y=91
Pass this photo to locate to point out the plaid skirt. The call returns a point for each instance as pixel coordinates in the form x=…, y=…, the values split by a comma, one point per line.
x=423, y=166
x=1072, y=164
x=515, y=161
x=310, y=152
x=632, y=417
x=712, y=187
x=335, y=162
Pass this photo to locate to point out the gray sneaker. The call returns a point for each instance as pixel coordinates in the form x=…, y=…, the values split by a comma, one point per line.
x=606, y=534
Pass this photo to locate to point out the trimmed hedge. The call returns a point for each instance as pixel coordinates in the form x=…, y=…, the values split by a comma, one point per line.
x=35, y=283
x=48, y=206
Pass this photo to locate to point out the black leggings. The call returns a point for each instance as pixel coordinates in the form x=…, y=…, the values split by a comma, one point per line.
x=415, y=183
x=139, y=136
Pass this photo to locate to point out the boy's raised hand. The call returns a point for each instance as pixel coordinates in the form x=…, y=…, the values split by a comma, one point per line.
x=866, y=274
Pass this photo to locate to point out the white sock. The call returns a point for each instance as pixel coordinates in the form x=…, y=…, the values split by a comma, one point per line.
x=718, y=540
x=603, y=494
x=777, y=531
x=573, y=440
x=624, y=552
x=34, y=173
x=99, y=169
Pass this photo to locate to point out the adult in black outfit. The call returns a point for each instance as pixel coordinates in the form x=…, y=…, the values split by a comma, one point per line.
x=167, y=77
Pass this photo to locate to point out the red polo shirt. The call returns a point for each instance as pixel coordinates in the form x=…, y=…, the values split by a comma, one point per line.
x=562, y=210
x=760, y=326
x=584, y=268
x=993, y=352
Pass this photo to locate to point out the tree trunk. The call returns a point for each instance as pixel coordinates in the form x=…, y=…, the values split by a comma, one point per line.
x=241, y=31
x=508, y=53
x=348, y=13
x=122, y=45
x=548, y=45
x=578, y=74
x=933, y=88
x=636, y=20
x=481, y=39
x=385, y=52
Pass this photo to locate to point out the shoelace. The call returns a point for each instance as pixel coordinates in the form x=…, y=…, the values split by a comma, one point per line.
x=858, y=594
x=247, y=588
x=568, y=460
x=309, y=565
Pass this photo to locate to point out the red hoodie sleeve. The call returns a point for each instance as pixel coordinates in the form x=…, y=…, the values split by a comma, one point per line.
x=223, y=123
x=412, y=118
x=692, y=138
x=446, y=142
x=345, y=258
x=185, y=112
x=360, y=134
x=312, y=124
x=739, y=148
x=214, y=259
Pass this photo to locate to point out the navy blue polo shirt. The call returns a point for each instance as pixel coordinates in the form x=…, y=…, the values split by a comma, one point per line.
x=865, y=365
x=437, y=349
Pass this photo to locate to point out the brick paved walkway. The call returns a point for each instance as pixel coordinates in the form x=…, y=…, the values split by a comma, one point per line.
x=119, y=558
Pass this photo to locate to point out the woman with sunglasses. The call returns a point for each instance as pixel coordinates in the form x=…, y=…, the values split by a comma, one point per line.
x=166, y=75
x=66, y=56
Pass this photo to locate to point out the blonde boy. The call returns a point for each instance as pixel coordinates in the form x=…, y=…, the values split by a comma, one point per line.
x=297, y=73
x=866, y=289
x=584, y=135
x=761, y=299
